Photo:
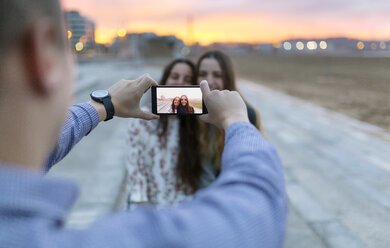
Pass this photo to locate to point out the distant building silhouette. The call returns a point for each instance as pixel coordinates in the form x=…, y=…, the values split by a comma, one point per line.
x=146, y=45
x=329, y=46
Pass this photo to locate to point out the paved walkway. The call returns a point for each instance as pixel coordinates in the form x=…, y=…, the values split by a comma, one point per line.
x=337, y=168
x=337, y=172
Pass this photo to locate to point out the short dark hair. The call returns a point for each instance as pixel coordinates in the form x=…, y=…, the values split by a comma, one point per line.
x=17, y=15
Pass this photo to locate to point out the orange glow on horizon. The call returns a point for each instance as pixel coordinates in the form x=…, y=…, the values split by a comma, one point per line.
x=107, y=35
x=219, y=25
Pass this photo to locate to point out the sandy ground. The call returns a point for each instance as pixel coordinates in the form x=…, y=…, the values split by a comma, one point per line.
x=355, y=86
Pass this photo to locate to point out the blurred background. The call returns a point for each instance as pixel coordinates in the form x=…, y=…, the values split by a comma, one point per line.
x=333, y=53
x=318, y=71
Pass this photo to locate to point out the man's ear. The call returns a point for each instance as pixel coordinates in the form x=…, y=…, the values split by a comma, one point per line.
x=40, y=56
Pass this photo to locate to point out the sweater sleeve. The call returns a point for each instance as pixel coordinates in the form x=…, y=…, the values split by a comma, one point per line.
x=81, y=120
x=245, y=207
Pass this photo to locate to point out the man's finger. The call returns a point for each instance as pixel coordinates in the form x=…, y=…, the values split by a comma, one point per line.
x=149, y=79
x=146, y=82
x=142, y=77
x=204, y=86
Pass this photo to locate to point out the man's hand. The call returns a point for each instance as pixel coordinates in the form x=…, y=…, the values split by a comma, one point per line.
x=126, y=96
x=224, y=107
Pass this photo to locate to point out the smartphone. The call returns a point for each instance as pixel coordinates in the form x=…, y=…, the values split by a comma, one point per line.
x=177, y=100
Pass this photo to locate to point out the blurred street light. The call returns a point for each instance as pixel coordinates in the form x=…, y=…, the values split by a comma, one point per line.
x=312, y=45
x=122, y=32
x=69, y=34
x=323, y=45
x=287, y=46
x=79, y=46
x=360, y=45
x=300, y=45
x=185, y=51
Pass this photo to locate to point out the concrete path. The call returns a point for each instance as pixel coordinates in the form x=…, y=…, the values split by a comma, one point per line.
x=163, y=106
x=337, y=172
x=337, y=168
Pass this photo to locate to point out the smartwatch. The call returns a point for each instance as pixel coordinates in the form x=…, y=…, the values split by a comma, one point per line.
x=104, y=97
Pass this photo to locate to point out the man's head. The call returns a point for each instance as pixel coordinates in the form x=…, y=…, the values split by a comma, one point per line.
x=16, y=17
x=36, y=69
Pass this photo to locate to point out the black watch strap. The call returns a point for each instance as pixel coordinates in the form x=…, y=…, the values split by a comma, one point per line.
x=109, y=107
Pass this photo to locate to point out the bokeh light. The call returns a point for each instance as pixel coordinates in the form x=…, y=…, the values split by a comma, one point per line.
x=360, y=45
x=287, y=46
x=122, y=32
x=79, y=46
x=69, y=34
x=300, y=46
x=323, y=45
x=185, y=51
x=311, y=45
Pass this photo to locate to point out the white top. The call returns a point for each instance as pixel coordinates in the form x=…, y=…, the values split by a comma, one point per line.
x=151, y=165
x=172, y=112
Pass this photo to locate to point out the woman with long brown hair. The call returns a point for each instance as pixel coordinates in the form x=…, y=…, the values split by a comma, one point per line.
x=185, y=106
x=174, y=106
x=170, y=159
x=163, y=162
x=217, y=68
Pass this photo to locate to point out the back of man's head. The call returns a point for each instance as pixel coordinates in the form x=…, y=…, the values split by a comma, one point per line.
x=17, y=15
x=35, y=79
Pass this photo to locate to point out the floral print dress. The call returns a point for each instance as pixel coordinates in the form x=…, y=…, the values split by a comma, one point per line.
x=151, y=163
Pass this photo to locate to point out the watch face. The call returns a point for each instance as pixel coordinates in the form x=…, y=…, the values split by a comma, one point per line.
x=100, y=93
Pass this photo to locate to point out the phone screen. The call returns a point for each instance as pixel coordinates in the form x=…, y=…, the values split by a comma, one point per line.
x=177, y=100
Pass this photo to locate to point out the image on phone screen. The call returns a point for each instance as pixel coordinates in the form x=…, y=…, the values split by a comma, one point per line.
x=177, y=100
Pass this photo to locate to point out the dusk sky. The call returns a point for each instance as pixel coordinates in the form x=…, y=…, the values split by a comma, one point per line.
x=239, y=20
